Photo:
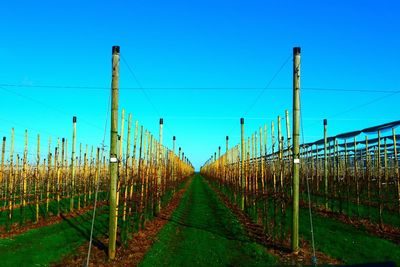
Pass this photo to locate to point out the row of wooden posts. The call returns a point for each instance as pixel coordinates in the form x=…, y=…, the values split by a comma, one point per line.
x=357, y=179
x=60, y=183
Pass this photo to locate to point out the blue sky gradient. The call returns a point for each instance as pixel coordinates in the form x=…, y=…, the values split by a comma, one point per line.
x=202, y=64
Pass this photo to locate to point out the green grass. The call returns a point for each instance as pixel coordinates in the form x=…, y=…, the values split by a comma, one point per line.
x=203, y=232
x=42, y=246
x=339, y=240
x=30, y=210
x=46, y=245
x=347, y=243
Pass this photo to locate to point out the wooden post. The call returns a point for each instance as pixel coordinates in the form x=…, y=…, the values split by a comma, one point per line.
x=261, y=162
x=280, y=155
x=11, y=179
x=242, y=178
x=378, y=173
x=113, y=154
x=37, y=179
x=127, y=160
x=173, y=163
x=289, y=156
x=325, y=163
x=58, y=175
x=3, y=151
x=120, y=140
x=273, y=154
x=132, y=182
x=160, y=168
x=24, y=175
x=71, y=204
x=219, y=176
x=396, y=166
x=226, y=166
x=296, y=147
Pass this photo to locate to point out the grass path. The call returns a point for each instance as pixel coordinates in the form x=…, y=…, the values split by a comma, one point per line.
x=204, y=232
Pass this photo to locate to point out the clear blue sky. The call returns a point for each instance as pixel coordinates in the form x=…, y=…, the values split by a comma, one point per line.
x=229, y=50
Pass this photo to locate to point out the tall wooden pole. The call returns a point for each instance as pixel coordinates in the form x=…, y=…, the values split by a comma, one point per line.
x=113, y=154
x=71, y=204
x=173, y=163
x=3, y=151
x=160, y=168
x=37, y=179
x=226, y=167
x=242, y=178
x=296, y=147
x=11, y=178
x=326, y=163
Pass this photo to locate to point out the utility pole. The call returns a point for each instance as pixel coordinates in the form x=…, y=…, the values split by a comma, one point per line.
x=296, y=147
x=113, y=154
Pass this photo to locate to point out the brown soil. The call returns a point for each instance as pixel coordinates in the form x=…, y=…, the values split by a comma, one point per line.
x=17, y=229
x=137, y=247
x=281, y=250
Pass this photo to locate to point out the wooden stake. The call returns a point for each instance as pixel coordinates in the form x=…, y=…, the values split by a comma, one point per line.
x=242, y=166
x=160, y=169
x=325, y=163
x=3, y=151
x=37, y=179
x=396, y=167
x=71, y=203
x=127, y=162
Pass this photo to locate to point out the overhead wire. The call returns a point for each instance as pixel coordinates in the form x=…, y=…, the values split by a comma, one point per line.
x=274, y=76
x=140, y=85
x=49, y=107
x=208, y=88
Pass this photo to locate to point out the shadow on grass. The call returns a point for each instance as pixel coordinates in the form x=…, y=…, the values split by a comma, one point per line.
x=85, y=231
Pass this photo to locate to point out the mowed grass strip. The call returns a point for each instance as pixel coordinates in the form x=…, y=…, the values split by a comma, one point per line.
x=45, y=245
x=204, y=232
x=347, y=243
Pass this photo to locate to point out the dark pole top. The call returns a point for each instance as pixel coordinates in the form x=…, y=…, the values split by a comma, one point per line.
x=63, y=139
x=296, y=50
x=4, y=138
x=179, y=148
x=174, y=138
x=74, y=119
x=161, y=121
x=219, y=148
x=227, y=138
x=241, y=120
x=115, y=49
x=325, y=122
